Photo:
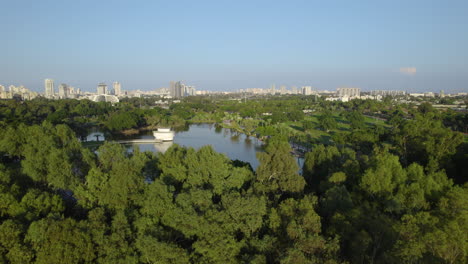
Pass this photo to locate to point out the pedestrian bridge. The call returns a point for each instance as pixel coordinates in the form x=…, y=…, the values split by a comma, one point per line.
x=139, y=141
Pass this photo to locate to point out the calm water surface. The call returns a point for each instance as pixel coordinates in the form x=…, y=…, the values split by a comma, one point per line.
x=235, y=145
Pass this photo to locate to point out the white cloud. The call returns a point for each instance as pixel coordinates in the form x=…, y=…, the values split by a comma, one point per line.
x=408, y=70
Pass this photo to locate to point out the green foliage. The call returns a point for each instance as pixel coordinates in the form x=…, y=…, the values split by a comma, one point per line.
x=123, y=120
x=296, y=115
x=384, y=175
x=306, y=124
x=376, y=194
x=426, y=141
x=208, y=212
x=278, y=171
x=356, y=119
x=50, y=154
x=278, y=117
x=327, y=121
x=12, y=249
x=60, y=241
x=302, y=228
x=438, y=236
x=322, y=163
x=116, y=181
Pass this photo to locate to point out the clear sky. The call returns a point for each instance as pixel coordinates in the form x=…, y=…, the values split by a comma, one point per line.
x=227, y=45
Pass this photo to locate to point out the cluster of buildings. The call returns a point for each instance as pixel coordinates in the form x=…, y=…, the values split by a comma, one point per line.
x=283, y=90
x=175, y=90
x=387, y=93
x=64, y=90
x=112, y=94
x=116, y=90
x=178, y=89
x=345, y=94
x=342, y=94
x=348, y=92
x=19, y=92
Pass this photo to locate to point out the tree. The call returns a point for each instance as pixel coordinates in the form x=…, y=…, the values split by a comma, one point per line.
x=296, y=115
x=122, y=120
x=425, y=108
x=278, y=170
x=425, y=140
x=298, y=230
x=356, y=119
x=12, y=248
x=49, y=154
x=116, y=181
x=201, y=203
x=60, y=241
x=327, y=121
x=322, y=162
x=278, y=117
x=438, y=235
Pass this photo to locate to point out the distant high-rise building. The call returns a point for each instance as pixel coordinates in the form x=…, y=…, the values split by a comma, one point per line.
x=348, y=92
x=179, y=89
x=176, y=89
x=283, y=89
x=63, y=91
x=17, y=92
x=306, y=90
x=387, y=93
x=49, y=88
x=273, y=89
x=189, y=90
x=117, y=88
x=102, y=88
x=442, y=94
x=294, y=90
x=172, y=89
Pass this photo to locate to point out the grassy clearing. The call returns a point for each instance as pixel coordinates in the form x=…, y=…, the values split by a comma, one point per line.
x=317, y=134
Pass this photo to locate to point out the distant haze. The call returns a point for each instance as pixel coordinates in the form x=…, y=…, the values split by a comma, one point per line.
x=228, y=45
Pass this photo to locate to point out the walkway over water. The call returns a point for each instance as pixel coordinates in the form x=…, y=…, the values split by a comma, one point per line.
x=139, y=141
x=126, y=141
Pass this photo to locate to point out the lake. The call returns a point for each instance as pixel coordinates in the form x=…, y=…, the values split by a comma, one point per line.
x=233, y=144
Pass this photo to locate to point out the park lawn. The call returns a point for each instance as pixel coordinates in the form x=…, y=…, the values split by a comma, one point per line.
x=315, y=133
x=342, y=126
x=373, y=121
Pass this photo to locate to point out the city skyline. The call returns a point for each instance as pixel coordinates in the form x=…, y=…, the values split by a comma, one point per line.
x=48, y=88
x=415, y=46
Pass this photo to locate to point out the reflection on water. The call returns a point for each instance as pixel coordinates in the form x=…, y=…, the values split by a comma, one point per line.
x=248, y=142
x=235, y=138
x=162, y=147
x=95, y=136
x=232, y=143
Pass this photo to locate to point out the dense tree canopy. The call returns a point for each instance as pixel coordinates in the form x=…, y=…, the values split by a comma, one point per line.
x=369, y=192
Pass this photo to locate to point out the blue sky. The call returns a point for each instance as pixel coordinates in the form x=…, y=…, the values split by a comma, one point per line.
x=227, y=45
